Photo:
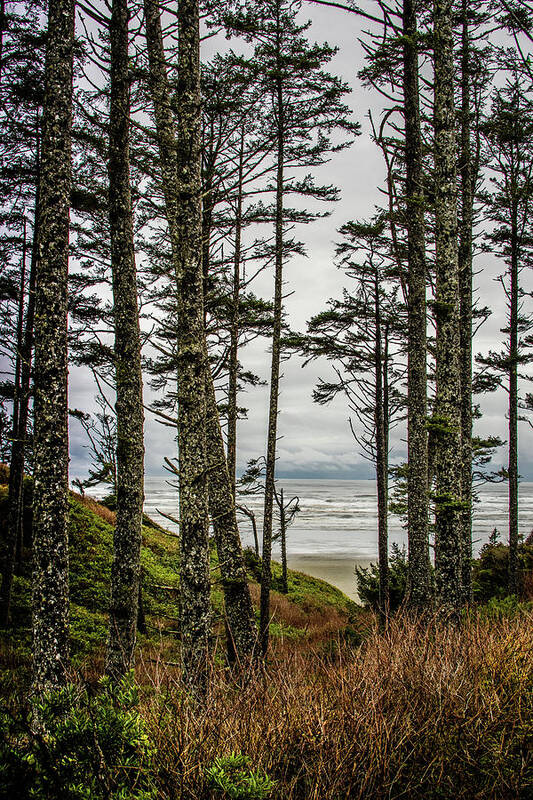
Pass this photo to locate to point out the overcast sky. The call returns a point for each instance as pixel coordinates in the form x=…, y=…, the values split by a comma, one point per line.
x=316, y=440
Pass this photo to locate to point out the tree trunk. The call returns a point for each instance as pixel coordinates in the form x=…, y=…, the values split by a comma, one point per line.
x=513, y=402
x=283, y=542
x=16, y=473
x=270, y=472
x=381, y=461
x=242, y=629
x=191, y=359
x=167, y=147
x=50, y=496
x=417, y=440
x=465, y=295
x=125, y=570
x=14, y=469
x=448, y=384
x=234, y=332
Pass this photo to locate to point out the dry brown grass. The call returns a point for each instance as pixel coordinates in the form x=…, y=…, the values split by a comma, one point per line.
x=319, y=624
x=420, y=711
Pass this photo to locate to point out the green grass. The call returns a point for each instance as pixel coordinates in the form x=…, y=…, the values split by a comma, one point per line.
x=90, y=552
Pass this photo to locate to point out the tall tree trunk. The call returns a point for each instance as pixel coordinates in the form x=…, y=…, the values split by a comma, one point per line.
x=417, y=439
x=270, y=472
x=465, y=295
x=191, y=358
x=238, y=604
x=236, y=592
x=13, y=491
x=207, y=226
x=234, y=330
x=16, y=473
x=50, y=495
x=381, y=460
x=448, y=383
x=126, y=567
x=513, y=401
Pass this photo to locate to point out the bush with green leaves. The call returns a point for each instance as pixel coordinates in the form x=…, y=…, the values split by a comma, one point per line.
x=232, y=777
x=490, y=574
x=499, y=608
x=368, y=580
x=87, y=745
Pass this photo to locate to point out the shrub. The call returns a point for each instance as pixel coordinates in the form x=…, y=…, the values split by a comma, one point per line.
x=86, y=746
x=490, y=575
x=421, y=711
x=368, y=580
x=499, y=608
x=232, y=777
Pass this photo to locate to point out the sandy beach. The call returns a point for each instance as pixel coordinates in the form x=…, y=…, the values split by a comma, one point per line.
x=336, y=570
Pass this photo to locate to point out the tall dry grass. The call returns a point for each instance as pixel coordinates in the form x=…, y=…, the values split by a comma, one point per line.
x=421, y=711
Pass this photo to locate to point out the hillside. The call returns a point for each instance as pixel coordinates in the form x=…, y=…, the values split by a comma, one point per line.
x=311, y=610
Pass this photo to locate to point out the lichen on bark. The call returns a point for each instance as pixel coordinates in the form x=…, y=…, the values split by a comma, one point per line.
x=50, y=498
x=125, y=571
x=448, y=384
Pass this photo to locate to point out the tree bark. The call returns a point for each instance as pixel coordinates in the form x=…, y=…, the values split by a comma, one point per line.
x=513, y=398
x=465, y=295
x=419, y=591
x=16, y=472
x=191, y=358
x=50, y=499
x=126, y=566
x=448, y=383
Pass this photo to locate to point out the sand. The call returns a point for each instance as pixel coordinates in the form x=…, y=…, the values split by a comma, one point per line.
x=337, y=570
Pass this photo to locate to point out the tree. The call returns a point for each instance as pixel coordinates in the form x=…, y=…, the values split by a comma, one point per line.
x=126, y=567
x=50, y=496
x=20, y=111
x=417, y=440
x=101, y=431
x=447, y=410
x=222, y=509
x=362, y=335
x=304, y=107
x=287, y=510
x=509, y=136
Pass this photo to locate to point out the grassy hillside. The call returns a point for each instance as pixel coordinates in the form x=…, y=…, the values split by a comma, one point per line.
x=311, y=610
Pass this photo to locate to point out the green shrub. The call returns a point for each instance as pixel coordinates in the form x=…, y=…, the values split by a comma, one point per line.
x=499, y=608
x=88, y=746
x=232, y=778
x=490, y=574
x=368, y=580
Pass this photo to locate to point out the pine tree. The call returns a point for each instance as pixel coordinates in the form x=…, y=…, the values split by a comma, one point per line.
x=509, y=136
x=288, y=69
x=237, y=598
x=417, y=443
x=363, y=336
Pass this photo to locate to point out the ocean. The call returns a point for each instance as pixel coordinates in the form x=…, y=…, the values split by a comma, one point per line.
x=336, y=527
x=339, y=518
